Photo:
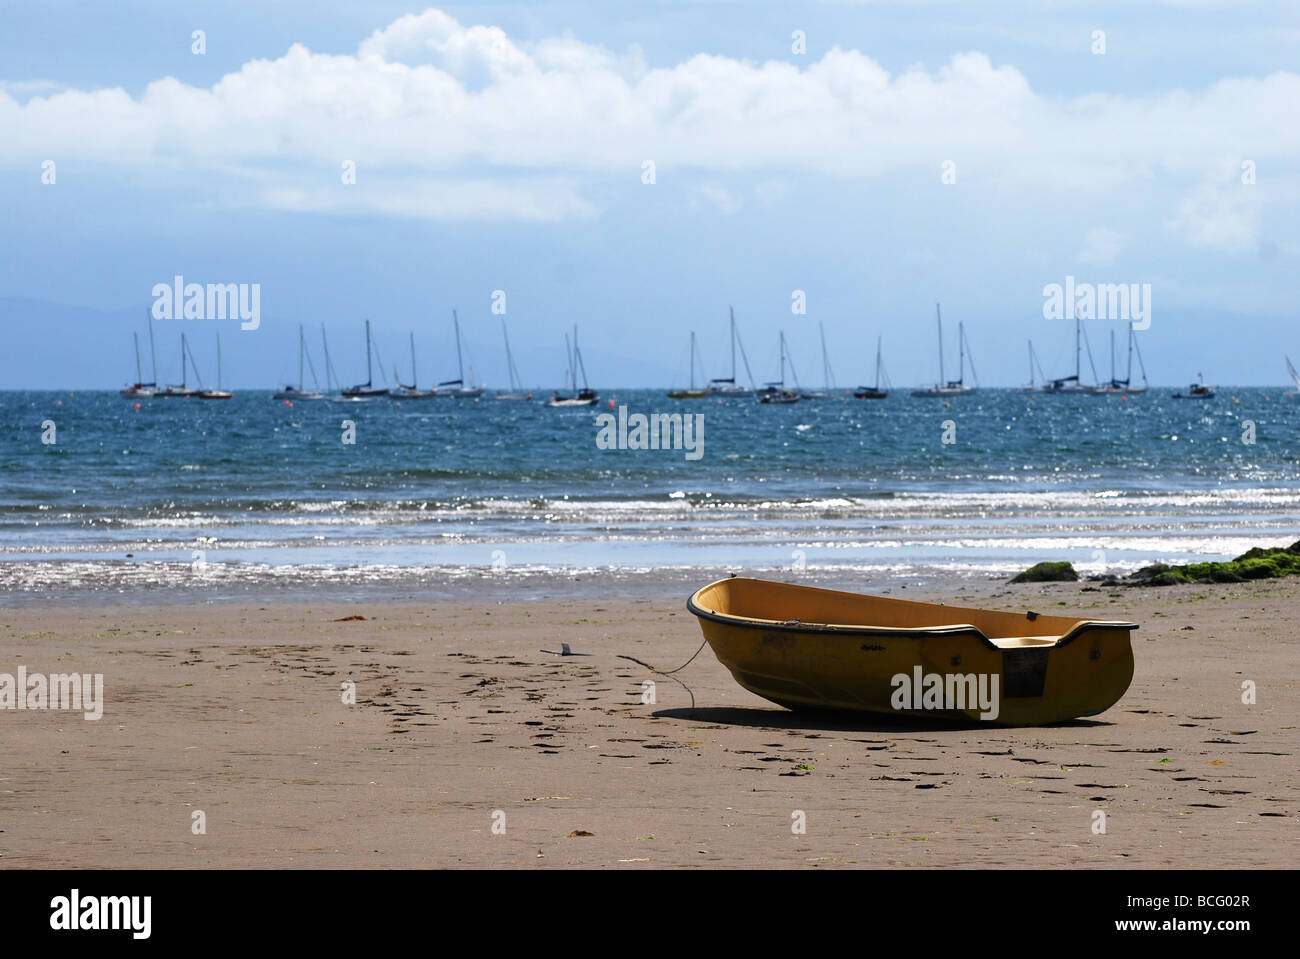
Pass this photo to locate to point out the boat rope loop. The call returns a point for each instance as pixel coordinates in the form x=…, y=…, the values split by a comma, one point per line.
x=669, y=673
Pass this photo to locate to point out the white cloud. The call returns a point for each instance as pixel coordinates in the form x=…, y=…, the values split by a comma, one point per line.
x=440, y=199
x=1101, y=246
x=427, y=101
x=720, y=198
x=1220, y=217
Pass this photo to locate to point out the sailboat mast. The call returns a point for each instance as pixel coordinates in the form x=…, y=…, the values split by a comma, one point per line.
x=183, y=351
x=369, y=375
x=1031, y=362
x=302, y=351
x=510, y=359
x=414, y=381
x=153, y=354
x=961, y=352
x=733, y=343
x=939, y=319
x=460, y=365
x=877, y=362
x=577, y=362
x=1077, y=356
x=1112, y=356
x=826, y=360
x=1128, y=374
x=139, y=377
x=692, y=359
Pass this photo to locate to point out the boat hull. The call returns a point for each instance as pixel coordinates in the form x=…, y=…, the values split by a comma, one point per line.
x=945, y=391
x=806, y=648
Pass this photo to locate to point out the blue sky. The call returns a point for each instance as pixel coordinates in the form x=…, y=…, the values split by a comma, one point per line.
x=500, y=146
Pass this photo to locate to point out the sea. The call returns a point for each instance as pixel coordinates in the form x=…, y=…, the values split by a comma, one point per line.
x=108, y=498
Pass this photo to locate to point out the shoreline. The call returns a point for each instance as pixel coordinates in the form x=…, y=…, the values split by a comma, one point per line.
x=234, y=710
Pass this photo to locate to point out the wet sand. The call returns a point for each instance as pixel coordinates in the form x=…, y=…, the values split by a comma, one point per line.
x=235, y=710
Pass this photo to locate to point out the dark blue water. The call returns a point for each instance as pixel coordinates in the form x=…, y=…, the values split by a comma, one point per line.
x=255, y=490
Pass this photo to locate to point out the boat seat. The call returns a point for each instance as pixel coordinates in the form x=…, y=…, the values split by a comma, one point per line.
x=1017, y=642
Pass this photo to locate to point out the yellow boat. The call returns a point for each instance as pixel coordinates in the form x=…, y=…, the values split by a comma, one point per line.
x=807, y=648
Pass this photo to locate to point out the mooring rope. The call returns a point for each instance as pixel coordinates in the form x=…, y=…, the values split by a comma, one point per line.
x=669, y=673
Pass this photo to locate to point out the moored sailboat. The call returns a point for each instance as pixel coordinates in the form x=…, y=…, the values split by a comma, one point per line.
x=576, y=397
x=218, y=393
x=367, y=389
x=775, y=391
x=1072, y=384
x=412, y=392
x=1032, y=386
x=516, y=392
x=877, y=392
x=181, y=390
x=727, y=385
x=945, y=387
x=299, y=392
x=456, y=388
x=690, y=393
x=140, y=389
x=828, y=377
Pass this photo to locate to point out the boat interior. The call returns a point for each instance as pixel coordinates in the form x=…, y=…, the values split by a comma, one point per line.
x=785, y=605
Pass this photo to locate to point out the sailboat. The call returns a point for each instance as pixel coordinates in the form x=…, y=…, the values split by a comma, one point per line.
x=218, y=393
x=366, y=389
x=172, y=390
x=775, y=391
x=412, y=392
x=727, y=385
x=577, y=397
x=1295, y=377
x=1072, y=384
x=1032, y=386
x=290, y=392
x=1116, y=385
x=456, y=388
x=957, y=387
x=1197, y=391
x=828, y=378
x=1133, y=348
x=690, y=393
x=140, y=389
x=516, y=386
x=332, y=377
x=876, y=392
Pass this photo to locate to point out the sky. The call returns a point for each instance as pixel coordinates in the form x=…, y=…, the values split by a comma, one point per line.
x=636, y=171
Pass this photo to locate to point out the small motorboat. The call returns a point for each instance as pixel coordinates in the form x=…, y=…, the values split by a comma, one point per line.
x=1197, y=391
x=820, y=649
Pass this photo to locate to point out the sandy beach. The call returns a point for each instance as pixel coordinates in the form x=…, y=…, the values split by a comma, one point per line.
x=461, y=722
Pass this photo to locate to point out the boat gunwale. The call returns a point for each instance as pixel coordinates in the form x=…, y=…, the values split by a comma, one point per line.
x=906, y=632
